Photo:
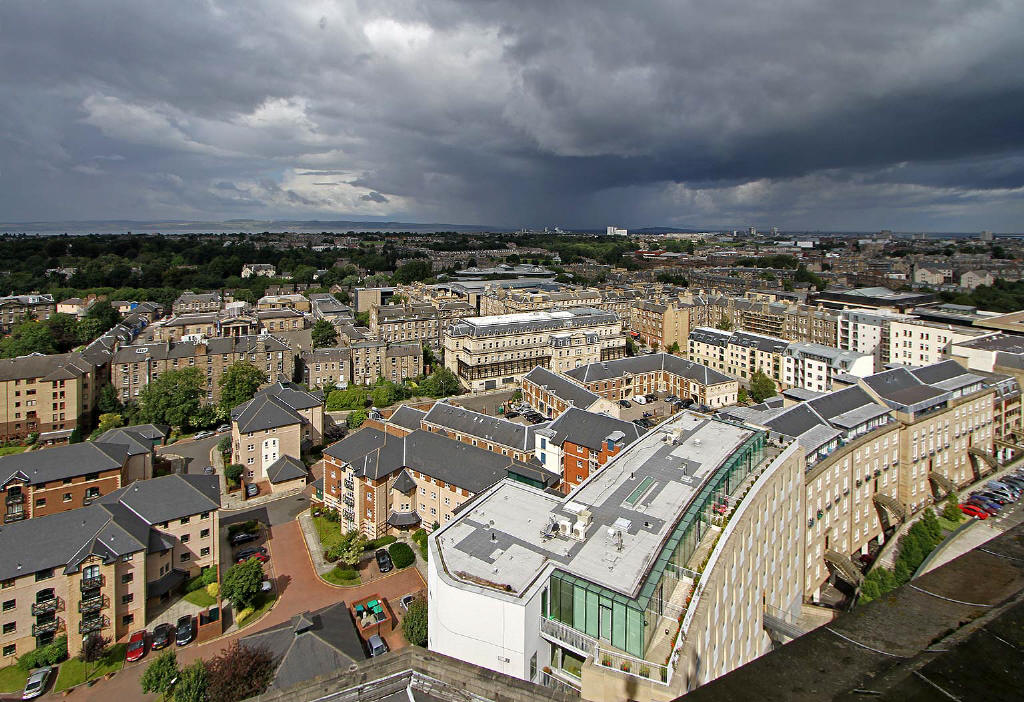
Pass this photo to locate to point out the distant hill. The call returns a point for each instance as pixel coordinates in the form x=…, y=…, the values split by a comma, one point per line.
x=117, y=226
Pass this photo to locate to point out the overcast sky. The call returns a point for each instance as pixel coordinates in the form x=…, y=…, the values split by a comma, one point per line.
x=864, y=115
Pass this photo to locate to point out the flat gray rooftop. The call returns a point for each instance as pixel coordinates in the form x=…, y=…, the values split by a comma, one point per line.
x=513, y=531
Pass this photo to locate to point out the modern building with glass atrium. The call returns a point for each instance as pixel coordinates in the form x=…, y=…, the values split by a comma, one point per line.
x=652, y=577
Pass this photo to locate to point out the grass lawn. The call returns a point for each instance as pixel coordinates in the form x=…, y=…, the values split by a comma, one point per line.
x=8, y=450
x=328, y=531
x=73, y=671
x=334, y=578
x=200, y=598
x=12, y=679
x=263, y=605
x=948, y=525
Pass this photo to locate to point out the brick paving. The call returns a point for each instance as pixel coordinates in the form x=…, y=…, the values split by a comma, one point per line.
x=300, y=590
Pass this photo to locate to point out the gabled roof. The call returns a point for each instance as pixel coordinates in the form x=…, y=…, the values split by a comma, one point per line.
x=483, y=426
x=404, y=483
x=286, y=468
x=264, y=412
x=407, y=417
x=566, y=389
x=589, y=429
x=169, y=497
x=310, y=644
x=902, y=388
x=137, y=440
x=60, y=462
x=606, y=370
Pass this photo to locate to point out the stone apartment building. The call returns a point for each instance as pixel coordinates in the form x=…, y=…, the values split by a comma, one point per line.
x=494, y=434
x=867, y=331
x=15, y=309
x=133, y=367
x=103, y=568
x=422, y=322
x=326, y=368
x=326, y=306
x=47, y=393
x=660, y=325
x=266, y=270
x=816, y=367
x=282, y=301
x=270, y=432
x=552, y=393
x=490, y=352
x=659, y=372
x=235, y=320
x=378, y=359
x=383, y=483
x=739, y=354
x=197, y=303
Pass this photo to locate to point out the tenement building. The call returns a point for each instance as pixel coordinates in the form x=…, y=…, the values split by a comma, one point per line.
x=15, y=309
x=649, y=579
x=47, y=393
x=378, y=359
x=423, y=322
x=496, y=351
x=133, y=367
x=102, y=568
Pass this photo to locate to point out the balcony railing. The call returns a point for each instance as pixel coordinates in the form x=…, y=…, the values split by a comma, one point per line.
x=14, y=517
x=47, y=627
x=92, y=604
x=91, y=583
x=628, y=665
x=93, y=624
x=349, y=500
x=349, y=484
x=569, y=637
x=45, y=606
x=15, y=499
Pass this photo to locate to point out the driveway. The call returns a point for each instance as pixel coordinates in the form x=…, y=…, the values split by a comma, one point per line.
x=276, y=512
x=299, y=590
x=196, y=453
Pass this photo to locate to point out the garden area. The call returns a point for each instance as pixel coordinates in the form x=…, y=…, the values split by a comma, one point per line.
x=202, y=590
x=348, y=550
x=261, y=604
x=78, y=670
x=12, y=679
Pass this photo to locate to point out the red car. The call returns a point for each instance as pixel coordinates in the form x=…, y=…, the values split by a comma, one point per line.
x=258, y=552
x=136, y=646
x=973, y=511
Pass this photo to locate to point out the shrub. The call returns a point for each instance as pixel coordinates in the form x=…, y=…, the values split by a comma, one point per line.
x=199, y=582
x=380, y=543
x=249, y=527
x=244, y=614
x=402, y=555
x=213, y=590
x=420, y=537
x=414, y=623
x=51, y=654
x=233, y=473
x=346, y=573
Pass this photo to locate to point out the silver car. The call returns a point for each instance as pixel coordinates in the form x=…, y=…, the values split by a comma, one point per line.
x=36, y=684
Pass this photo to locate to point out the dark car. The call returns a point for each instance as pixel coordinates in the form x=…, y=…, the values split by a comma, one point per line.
x=258, y=552
x=162, y=635
x=383, y=560
x=625, y=403
x=251, y=490
x=186, y=631
x=241, y=538
x=670, y=398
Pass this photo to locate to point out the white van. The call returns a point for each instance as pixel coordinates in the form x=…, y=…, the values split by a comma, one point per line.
x=640, y=399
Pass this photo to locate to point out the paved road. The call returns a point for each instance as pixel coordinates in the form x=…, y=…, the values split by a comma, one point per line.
x=300, y=589
x=273, y=513
x=196, y=453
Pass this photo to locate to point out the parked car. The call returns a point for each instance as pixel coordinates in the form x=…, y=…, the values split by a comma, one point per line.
x=640, y=399
x=186, y=631
x=973, y=511
x=994, y=497
x=266, y=586
x=648, y=414
x=651, y=397
x=202, y=435
x=252, y=489
x=1003, y=489
x=670, y=398
x=377, y=646
x=136, y=647
x=625, y=403
x=406, y=601
x=383, y=560
x=985, y=501
x=162, y=635
x=223, y=428
x=991, y=508
x=258, y=552
x=37, y=682
x=241, y=538
x=208, y=470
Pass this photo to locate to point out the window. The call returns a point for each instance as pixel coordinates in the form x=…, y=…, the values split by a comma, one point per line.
x=9, y=605
x=41, y=502
x=204, y=551
x=184, y=520
x=67, y=497
x=204, y=515
x=44, y=574
x=204, y=533
x=185, y=556
x=127, y=619
x=92, y=492
x=7, y=583
x=10, y=627
x=127, y=578
x=185, y=538
x=125, y=599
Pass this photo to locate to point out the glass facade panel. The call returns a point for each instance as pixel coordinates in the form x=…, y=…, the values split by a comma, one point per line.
x=592, y=615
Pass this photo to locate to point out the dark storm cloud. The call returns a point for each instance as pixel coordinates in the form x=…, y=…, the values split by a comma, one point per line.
x=824, y=114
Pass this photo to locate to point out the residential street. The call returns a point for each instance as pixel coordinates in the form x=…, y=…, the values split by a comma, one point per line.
x=196, y=453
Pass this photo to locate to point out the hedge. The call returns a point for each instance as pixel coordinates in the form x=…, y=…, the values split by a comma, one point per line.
x=199, y=582
x=379, y=543
x=251, y=526
x=401, y=555
x=51, y=654
x=420, y=537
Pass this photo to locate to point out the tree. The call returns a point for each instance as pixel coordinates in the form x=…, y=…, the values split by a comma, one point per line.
x=412, y=271
x=952, y=509
x=441, y=383
x=104, y=314
x=674, y=348
x=352, y=397
x=725, y=324
x=94, y=649
x=110, y=420
x=193, y=684
x=350, y=549
x=356, y=418
x=414, y=623
x=324, y=334
x=173, y=397
x=239, y=384
x=242, y=583
x=630, y=347
x=385, y=394
x=761, y=387
x=160, y=674
x=239, y=672
x=64, y=328
x=742, y=396
x=28, y=337
x=107, y=400
x=233, y=472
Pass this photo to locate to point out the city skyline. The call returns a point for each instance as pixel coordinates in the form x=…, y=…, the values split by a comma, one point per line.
x=840, y=119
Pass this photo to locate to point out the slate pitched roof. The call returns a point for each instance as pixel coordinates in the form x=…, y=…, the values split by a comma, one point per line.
x=264, y=412
x=568, y=390
x=589, y=429
x=286, y=468
x=407, y=417
x=60, y=462
x=606, y=370
x=483, y=426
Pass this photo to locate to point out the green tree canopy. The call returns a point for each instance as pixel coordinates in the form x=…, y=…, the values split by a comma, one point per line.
x=104, y=313
x=239, y=672
x=324, y=335
x=413, y=271
x=193, y=684
x=28, y=337
x=242, y=583
x=441, y=383
x=414, y=623
x=239, y=383
x=173, y=397
x=761, y=387
x=160, y=673
x=352, y=397
x=356, y=418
